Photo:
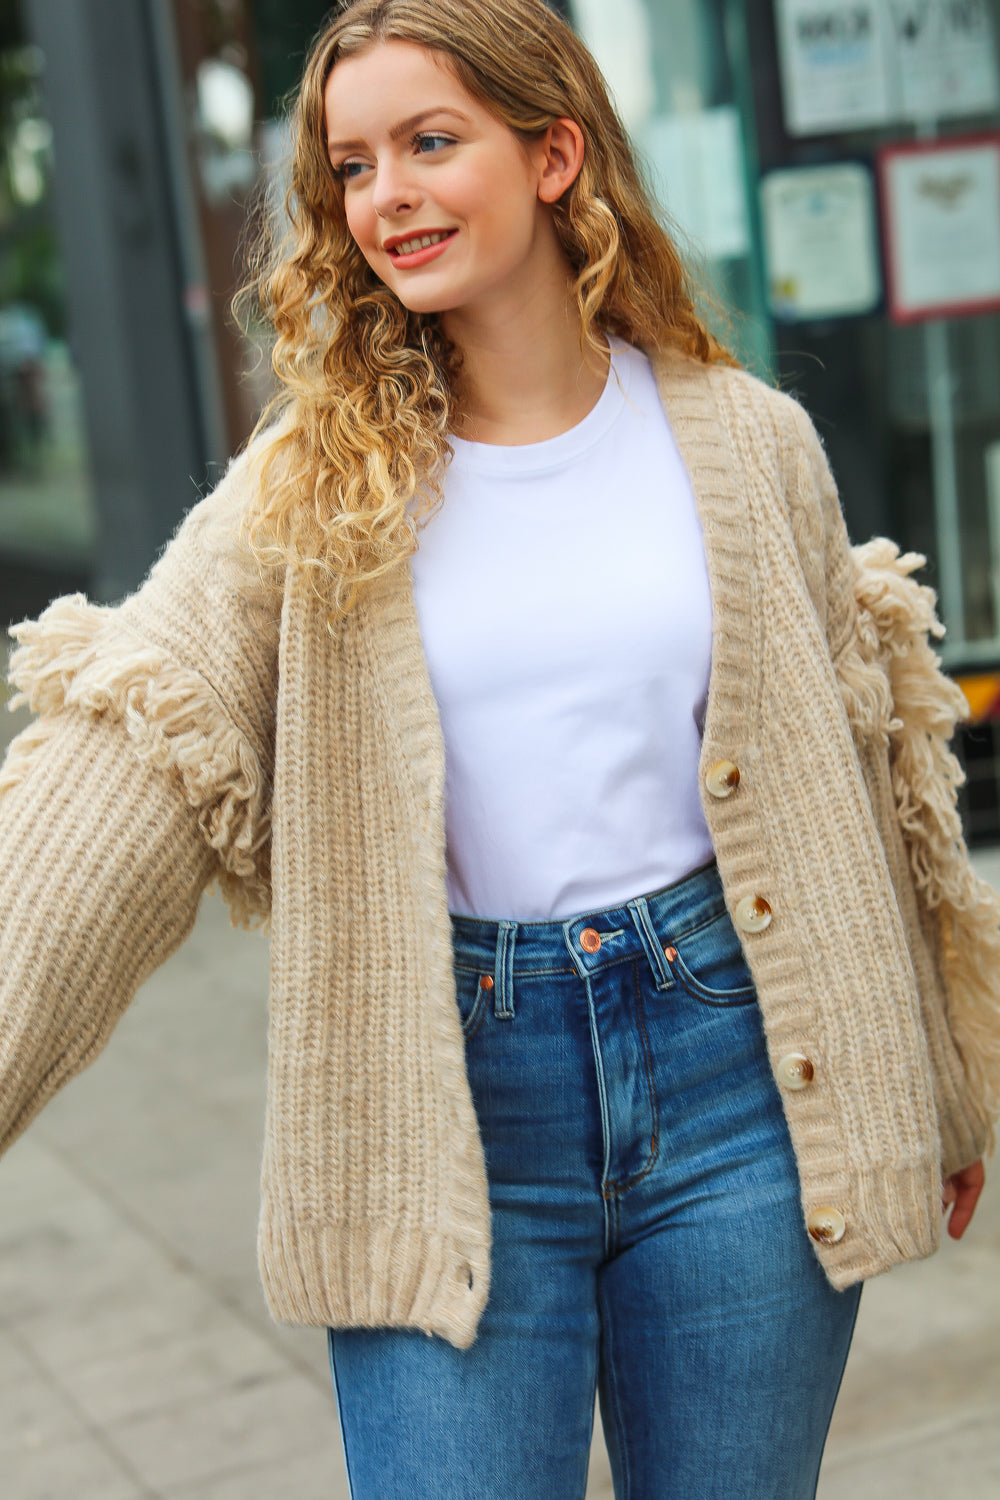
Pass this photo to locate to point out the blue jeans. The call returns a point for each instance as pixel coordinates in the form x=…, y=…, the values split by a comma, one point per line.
x=648, y=1239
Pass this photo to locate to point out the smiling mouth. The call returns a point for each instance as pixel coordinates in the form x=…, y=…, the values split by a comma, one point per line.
x=419, y=242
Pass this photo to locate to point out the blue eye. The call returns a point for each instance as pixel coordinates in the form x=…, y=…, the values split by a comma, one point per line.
x=429, y=142
x=349, y=169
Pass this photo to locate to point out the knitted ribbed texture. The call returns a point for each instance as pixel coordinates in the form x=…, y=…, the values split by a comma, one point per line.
x=101, y=870
x=151, y=771
x=372, y=1152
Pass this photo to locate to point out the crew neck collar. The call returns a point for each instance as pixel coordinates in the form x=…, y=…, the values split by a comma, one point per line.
x=554, y=452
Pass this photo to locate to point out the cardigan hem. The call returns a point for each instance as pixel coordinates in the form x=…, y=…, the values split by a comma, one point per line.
x=373, y=1275
x=892, y=1215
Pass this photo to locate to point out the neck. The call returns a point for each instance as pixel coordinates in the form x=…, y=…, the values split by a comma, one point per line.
x=524, y=375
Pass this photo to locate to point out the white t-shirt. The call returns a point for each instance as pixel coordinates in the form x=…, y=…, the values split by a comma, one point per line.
x=564, y=606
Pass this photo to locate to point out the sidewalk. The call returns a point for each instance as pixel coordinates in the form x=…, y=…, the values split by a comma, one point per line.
x=136, y=1358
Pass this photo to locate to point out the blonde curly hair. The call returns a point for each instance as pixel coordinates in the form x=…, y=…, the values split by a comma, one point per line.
x=372, y=390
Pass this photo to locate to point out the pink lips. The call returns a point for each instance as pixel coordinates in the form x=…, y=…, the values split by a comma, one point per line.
x=418, y=257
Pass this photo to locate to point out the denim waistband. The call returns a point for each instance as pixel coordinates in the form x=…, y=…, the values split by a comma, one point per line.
x=593, y=939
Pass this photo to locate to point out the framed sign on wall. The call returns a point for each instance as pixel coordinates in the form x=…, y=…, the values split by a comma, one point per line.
x=820, y=232
x=941, y=226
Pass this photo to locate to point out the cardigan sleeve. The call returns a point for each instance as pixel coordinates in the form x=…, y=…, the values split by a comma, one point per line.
x=101, y=870
x=145, y=776
x=903, y=711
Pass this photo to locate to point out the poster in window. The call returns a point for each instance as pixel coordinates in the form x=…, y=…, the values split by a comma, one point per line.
x=857, y=64
x=945, y=56
x=821, y=242
x=834, y=69
x=941, y=221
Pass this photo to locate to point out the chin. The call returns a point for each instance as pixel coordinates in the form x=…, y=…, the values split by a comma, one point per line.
x=425, y=303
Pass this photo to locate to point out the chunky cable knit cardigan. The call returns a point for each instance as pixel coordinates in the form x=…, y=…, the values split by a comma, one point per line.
x=212, y=726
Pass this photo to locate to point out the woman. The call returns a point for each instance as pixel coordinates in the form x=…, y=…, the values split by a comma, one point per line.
x=532, y=605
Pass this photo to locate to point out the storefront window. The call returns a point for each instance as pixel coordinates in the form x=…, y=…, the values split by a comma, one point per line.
x=670, y=69
x=835, y=165
x=47, y=515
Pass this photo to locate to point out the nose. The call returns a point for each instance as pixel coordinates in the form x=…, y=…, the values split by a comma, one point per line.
x=394, y=193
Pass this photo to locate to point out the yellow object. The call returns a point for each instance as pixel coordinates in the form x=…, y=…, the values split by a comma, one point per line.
x=982, y=693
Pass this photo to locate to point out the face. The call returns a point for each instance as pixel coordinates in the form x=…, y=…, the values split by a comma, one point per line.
x=443, y=200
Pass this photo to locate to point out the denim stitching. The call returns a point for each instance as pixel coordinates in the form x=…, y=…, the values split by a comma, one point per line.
x=617, y=1188
x=503, y=975
x=602, y=1095
x=518, y=972
x=651, y=943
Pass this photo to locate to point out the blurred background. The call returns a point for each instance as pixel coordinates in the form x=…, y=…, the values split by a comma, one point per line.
x=832, y=167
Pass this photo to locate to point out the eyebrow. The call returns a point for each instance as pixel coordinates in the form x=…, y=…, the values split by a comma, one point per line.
x=404, y=128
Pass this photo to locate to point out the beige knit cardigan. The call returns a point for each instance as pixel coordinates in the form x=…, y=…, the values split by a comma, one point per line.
x=212, y=726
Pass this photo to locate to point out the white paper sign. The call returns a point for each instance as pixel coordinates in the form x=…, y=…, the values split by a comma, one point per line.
x=696, y=163
x=834, y=71
x=945, y=59
x=820, y=241
x=943, y=215
x=855, y=64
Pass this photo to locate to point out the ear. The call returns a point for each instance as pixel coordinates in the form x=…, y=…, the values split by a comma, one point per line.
x=562, y=157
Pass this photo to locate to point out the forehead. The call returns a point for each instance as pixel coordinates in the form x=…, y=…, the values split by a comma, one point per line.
x=366, y=92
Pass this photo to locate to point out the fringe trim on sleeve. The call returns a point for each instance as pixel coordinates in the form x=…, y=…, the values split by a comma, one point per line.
x=893, y=689
x=78, y=655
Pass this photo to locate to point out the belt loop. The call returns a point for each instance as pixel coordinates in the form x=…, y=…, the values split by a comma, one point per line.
x=651, y=943
x=503, y=973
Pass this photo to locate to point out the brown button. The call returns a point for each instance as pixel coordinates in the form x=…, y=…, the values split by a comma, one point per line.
x=670, y=954
x=753, y=914
x=826, y=1225
x=486, y=983
x=723, y=778
x=590, y=940
x=795, y=1071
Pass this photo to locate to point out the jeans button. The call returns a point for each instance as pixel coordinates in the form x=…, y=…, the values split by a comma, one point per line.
x=590, y=940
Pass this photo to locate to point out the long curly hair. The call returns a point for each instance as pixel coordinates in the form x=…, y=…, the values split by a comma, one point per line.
x=370, y=390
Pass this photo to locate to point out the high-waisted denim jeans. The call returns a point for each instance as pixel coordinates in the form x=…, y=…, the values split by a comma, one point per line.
x=648, y=1239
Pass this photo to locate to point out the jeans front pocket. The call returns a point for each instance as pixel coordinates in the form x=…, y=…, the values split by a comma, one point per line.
x=709, y=964
x=473, y=997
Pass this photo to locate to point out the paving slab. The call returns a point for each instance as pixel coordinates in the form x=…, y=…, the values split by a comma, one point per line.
x=82, y=1470
x=298, y=1475
x=258, y=1421
x=944, y=1462
x=173, y=1372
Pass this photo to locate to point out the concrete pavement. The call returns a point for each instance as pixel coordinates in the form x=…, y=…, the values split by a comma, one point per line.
x=136, y=1358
